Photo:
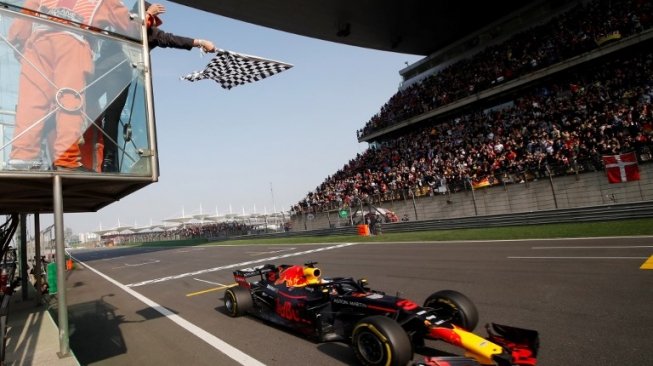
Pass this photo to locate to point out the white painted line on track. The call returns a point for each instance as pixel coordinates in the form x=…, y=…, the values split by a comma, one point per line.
x=209, y=282
x=138, y=264
x=577, y=257
x=215, y=342
x=272, y=251
x=189, y=250
x=237, y=265
x=598, y=247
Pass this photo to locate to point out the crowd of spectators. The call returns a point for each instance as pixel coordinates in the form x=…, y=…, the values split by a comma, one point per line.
x=584, y=27
x=564, y=126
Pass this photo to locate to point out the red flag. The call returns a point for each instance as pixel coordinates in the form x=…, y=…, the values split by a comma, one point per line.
x=621, y=168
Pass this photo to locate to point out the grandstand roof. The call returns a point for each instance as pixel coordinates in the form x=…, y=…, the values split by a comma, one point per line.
x=406, y=26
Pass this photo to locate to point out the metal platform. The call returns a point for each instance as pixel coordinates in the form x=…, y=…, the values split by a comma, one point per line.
x=82, y=192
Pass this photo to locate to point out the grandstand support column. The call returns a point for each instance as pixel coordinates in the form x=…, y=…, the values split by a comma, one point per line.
x=38, y=280
x=23, y=254
x=57, y=199
x=553, y=190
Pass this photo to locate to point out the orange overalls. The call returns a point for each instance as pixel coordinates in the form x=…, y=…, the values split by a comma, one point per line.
x=53, y=75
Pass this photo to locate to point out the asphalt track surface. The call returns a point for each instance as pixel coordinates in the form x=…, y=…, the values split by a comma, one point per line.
x=588, y=298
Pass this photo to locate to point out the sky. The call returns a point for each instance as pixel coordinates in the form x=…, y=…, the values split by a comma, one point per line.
x=257, y=147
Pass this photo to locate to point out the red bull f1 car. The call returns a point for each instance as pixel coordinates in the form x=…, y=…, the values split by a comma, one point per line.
x=382, y=329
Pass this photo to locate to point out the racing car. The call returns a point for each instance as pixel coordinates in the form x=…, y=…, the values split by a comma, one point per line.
x=382, y=329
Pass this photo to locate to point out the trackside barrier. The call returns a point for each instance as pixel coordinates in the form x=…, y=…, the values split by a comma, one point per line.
x=364, y=230
x=585, y=214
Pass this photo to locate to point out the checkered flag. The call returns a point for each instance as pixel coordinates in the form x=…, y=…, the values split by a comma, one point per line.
x=230, y=69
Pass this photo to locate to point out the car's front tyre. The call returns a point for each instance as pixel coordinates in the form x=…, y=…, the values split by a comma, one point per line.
x=455, y=305
x=237, y=301
x=378, y=340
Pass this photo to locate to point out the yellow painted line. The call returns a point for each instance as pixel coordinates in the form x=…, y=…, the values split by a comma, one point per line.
x=648, y=264
x=211, y=290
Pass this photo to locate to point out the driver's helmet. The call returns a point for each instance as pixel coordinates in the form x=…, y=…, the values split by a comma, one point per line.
x=272, y=276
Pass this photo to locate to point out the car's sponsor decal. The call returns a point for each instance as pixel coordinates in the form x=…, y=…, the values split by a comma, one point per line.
x=407, y=305
x=349, y=302
x=286, y=310
x=381, y=308
x=272, y=288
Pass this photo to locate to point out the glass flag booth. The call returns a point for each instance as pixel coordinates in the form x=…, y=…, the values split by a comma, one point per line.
x=77, y=127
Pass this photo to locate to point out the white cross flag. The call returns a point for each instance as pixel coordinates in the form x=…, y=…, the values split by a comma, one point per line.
x=230, y=69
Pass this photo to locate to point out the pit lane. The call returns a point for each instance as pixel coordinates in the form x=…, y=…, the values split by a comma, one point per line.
x=588, y=298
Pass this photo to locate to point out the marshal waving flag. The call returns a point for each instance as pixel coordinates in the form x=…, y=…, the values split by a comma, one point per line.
x=230, y=69
x=621, y=168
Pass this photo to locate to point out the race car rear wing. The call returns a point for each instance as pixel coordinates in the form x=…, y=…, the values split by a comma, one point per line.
x=272, y=272
x=255, y=271
x=241, y=276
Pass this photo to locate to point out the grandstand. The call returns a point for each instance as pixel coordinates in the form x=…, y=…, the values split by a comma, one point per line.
x=545, y=102
x=511, y=110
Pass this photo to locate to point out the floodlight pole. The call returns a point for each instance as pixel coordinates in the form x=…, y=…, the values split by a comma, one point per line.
x=57, y=198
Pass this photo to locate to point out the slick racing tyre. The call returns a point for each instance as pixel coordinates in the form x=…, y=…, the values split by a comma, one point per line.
x=237, y=301
x=455, y=305
x=378, y=340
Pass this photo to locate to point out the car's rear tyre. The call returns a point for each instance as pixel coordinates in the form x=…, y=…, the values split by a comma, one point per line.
x=237, y=301
x=459, y=307
x=378, y=340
